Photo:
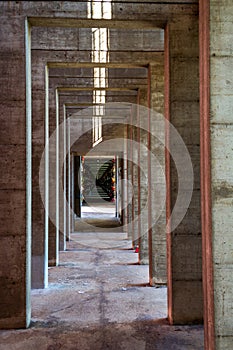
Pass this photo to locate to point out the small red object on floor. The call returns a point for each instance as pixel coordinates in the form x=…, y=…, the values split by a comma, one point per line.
x=137, y=249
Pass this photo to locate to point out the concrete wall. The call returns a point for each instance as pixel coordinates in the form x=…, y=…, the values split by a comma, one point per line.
x=186, y=247
x=221, y=124
x=15, y=270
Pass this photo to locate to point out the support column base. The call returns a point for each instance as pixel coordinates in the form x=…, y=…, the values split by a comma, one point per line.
x=155, y=281
x=144, y=261
x=14, y=323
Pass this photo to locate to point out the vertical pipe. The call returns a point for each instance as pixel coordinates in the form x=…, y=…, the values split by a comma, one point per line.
x=207, y=259
x=57, y=174
x=69, y=182
x=117, y=190
x=132, y=177
x=64, y=175
x=28, y=170
x=138, y=167
x=167, y=168
x=149, y=172
x=46, y=175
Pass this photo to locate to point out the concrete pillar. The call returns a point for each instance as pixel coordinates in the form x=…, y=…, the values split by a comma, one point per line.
x=62, y=174
x=132, y=178
x=135, y=199
x=117, y=187
x=72, y=198
x=184, y=243
x=68, y=183
x=15, y=178
x=120, y=184
x=220, y=133
x=142, y=138
x=53, y=229
x=132, y=234
x=125, y=179
x=39, y=224
x=156, y=183
x=129, y=180
x=77, y=192
x=53, y=241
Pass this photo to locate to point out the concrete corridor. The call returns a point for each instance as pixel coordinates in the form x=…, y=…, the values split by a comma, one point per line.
x=99, y=298
x=148, y=84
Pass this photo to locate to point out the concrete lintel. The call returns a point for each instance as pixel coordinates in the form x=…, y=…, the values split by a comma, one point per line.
x=99, y=64
x=74, y=105
x=95, y=23
x=108, y=117
x=71, y=105
x=59, y=89
x=66, y=59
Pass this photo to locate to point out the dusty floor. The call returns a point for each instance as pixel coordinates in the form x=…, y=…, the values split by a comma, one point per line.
x=99, y=299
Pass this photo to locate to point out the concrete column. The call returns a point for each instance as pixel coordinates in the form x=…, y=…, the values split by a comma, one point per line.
x=121, y=188
x=125, y=179
x=157, y=232
x=39, y=130
x=130, y=177
x=142, y=138
x=72, y=199
x=221, y=131
x=68, y=183
x=53, y=230
x=15, y=178
x=53, y=224
x=117, y=188
x=135, y=200
x=62, y=174
x=129, y=180
x=184, y=243
x=133, y=190
x=77, y=192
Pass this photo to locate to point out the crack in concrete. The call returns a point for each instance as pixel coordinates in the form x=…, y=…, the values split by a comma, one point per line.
x=102, y=302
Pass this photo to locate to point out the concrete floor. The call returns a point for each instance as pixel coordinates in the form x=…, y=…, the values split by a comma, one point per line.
x=99, y=299
x=99, y=209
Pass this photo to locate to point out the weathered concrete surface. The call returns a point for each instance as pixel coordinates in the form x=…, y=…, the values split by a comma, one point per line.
x=185, y=247
x=126, y=335
x=157, y=240
x=143, y=189
x=100, y=299
x=14, y=274
x=68, y=182
x=129, y=176
x=12, y=36
x=136, y=194
x=221, y=60
x=39, y=240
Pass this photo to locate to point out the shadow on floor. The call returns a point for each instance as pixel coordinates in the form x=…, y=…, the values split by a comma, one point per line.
x=138, y=335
